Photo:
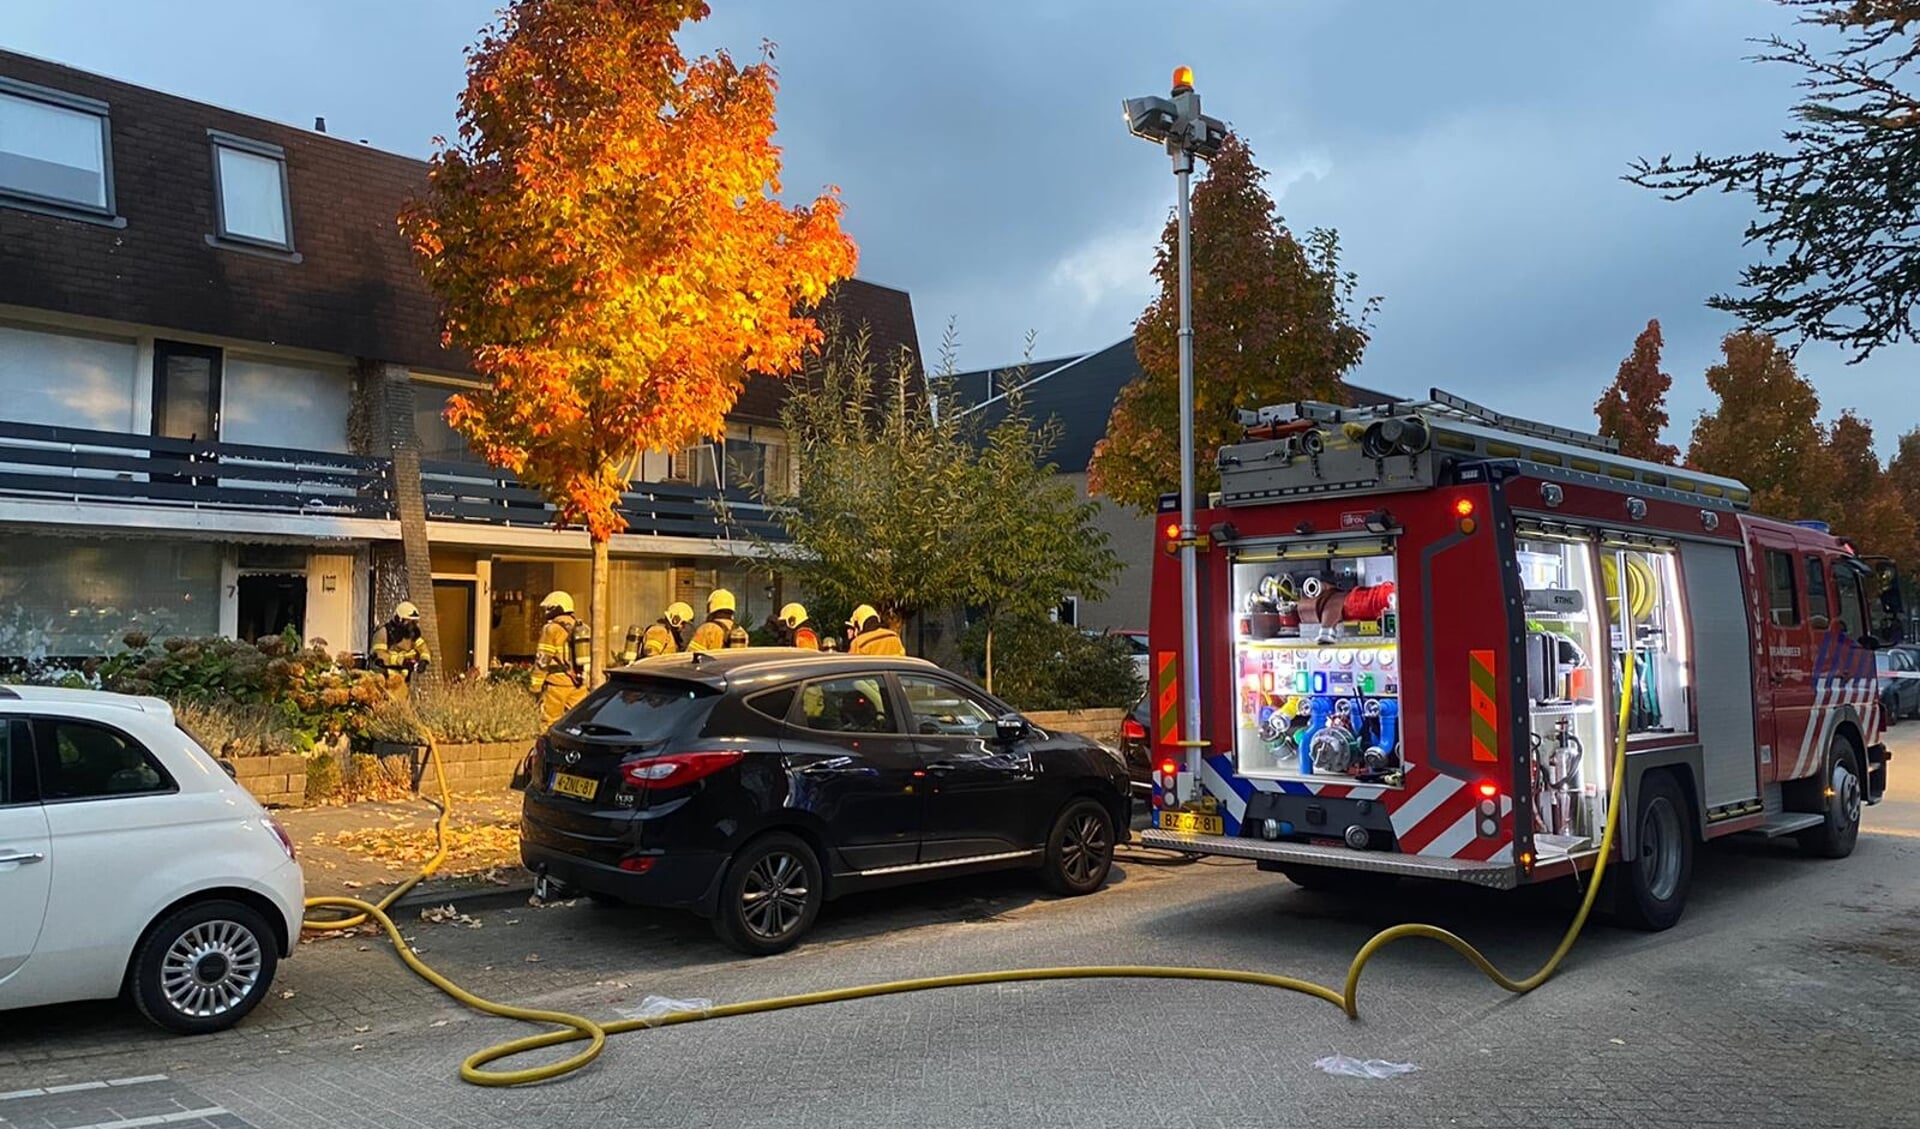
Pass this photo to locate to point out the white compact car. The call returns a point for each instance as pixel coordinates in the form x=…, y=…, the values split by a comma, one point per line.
x=130, y=863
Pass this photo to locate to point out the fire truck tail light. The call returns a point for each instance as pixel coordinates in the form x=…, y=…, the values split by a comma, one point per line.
x=1489, y=789
x=1173, y=530
x=1464, y=507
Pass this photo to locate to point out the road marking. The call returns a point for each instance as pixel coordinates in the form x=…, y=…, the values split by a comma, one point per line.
x=76, y=1087
x=158, y=1119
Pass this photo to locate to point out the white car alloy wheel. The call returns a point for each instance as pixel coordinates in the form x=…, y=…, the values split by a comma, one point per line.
x=211, y=969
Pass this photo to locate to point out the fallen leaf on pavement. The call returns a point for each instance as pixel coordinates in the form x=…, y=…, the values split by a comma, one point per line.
x=352, y=885
x=533, y=958
x=438, y=1023
x=287, y=995
x=447, y=915
x=359, y=1046
x=362, y=1029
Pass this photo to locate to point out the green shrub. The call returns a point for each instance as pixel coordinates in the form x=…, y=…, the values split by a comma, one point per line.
x=315, y=697
x=1042, y=665
x=323, y=778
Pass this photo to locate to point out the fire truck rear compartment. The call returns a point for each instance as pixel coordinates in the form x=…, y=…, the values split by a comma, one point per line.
x=1316, y=656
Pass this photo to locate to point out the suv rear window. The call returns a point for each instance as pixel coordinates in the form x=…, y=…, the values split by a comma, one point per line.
x=647, y=708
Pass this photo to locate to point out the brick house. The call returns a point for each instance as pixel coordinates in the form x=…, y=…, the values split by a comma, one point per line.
x=221, y=382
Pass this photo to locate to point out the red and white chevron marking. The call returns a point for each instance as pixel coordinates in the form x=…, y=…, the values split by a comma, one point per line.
x=1436, y=816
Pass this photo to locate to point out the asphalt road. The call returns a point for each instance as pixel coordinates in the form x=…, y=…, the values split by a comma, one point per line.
x=1786, y=997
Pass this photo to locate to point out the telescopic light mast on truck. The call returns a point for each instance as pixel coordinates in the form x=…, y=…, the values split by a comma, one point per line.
x=1414, y=618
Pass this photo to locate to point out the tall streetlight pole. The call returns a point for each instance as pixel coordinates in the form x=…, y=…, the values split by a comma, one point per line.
x=1177, y=123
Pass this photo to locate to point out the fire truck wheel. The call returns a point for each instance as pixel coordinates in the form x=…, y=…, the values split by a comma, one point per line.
x=1079, y=849
x=1652, y=890
x=1834, y=839
x=1328, y=880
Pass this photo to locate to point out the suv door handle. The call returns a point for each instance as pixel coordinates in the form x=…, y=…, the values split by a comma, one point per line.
x=942, y=767
x=23, y=856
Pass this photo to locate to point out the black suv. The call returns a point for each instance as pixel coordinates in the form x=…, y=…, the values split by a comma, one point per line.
x=749, y=786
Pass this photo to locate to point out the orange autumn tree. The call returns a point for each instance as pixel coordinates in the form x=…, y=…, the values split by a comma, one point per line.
x=607, y=240
x=1633, y=409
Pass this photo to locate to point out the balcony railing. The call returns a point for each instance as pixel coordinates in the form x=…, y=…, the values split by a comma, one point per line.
x=108, y=467
x=81, y=465
x=471, y=492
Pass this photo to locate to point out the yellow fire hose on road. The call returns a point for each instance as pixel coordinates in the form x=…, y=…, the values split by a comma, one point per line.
x=577, y=1028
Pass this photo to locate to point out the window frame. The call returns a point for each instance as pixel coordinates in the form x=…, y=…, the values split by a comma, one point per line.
x=1796, y=608
x=1846, y=572
x=785, y=717
x=1818, y=618
x=165, y=349
x=20, y=741
x=106, y=213
x=797, y=716
x=218, y=140
x=978, y=696
x=45, y=745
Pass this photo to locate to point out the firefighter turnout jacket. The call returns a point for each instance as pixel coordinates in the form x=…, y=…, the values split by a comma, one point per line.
x=400, y=647
x=717, y=633
x=660, y=639
x=878, y=641
x=553, y=660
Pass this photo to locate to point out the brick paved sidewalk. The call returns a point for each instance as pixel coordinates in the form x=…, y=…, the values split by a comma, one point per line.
x=360, y=850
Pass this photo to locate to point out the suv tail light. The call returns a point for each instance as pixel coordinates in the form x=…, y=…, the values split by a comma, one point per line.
x=280, y=833
x=678, y=768
x=1132, y=730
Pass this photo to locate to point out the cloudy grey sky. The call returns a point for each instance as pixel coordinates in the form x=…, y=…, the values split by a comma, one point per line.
x=1468, y=154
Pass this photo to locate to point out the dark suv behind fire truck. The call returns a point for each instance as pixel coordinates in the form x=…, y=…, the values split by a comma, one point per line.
x=751, y=786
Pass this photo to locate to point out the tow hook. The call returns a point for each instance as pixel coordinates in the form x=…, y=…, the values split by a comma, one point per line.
x=547, y=888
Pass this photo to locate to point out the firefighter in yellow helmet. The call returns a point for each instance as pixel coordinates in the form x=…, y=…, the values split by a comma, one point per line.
x=399, y=650
x=869, y=638
x=719, y=631
x=663, y=634
x=798, y=628
x=560, y=660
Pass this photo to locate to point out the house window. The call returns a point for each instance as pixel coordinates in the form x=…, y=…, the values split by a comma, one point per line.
x=54, y=148
x=250, y=190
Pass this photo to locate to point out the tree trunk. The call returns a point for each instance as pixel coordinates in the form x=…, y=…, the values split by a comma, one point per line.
x=597, y=612
x=989, y=658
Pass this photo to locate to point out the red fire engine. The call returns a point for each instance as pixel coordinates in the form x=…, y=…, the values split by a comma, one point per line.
x=1414, y=620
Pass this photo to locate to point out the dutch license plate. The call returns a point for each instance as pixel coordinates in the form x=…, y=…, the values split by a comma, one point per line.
x=581, y=787
x=1192, y=823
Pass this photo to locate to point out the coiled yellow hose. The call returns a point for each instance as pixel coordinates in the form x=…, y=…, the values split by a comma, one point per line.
x=577, y=1028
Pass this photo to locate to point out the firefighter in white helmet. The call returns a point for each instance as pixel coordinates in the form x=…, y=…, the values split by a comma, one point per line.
x=797, y=628
x=559, y=661
x=399, y=650
x=719, y=631
x=663, y=635
x=869, y=637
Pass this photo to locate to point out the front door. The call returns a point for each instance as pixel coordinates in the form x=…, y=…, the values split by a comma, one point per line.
x=1789, y=706
x=851, y=764
x=25, y=871
x=981, y=797
x=453, y=602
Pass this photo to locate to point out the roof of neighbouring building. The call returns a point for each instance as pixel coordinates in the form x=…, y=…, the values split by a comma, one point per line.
x=1078, y=391
x=354, y=288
